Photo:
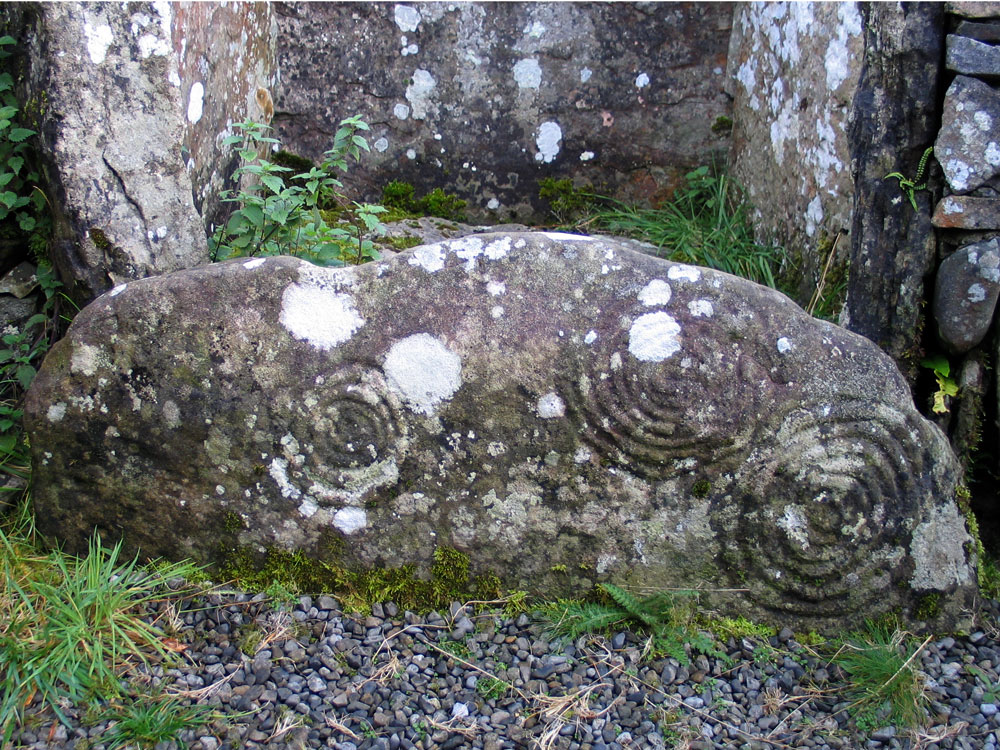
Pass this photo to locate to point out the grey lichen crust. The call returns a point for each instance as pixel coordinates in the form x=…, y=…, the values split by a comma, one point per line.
x=560, y=408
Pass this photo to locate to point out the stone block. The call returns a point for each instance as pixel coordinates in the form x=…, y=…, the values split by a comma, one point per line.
x=968, y=145
x=983, y=32
x=967, y=212
x=559, y=408
x=965, y=294
x=972, y=58
x=973, y=9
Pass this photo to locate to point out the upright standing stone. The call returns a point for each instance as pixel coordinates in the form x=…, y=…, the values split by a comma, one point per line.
x=892, y=123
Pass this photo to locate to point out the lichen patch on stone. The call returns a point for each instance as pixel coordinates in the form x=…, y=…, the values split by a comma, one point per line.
x=654, y=337
x=936, y=549
x=701, y=308
x=424, y=371
x=682, y=272
x=321, y=317
x=656, y=292
x=350, y=520
x=550, y=406
x=428, y=257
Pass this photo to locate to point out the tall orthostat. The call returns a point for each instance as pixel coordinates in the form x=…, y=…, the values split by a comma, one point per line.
x=563, y=410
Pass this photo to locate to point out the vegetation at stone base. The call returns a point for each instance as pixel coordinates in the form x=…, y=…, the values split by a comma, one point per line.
x=19, y=199
x=401, y=196
x=72, y=629
x=885, y=685
x=288, y=573
x=278, y=217
x=706, y=223
x=143, y=720
x=668, y=617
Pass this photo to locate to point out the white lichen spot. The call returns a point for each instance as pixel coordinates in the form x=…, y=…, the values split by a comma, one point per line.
x=784, y=345
x=118, y=290
x=983, y=120
x=656, y=292
x=682, y=272
x=85, y=359
x=171, y=414
x=496, y=312
x=528, y=74
x=381, y=145
x=98, y=41
x=616, y=361
x=428, y=257
x=255, y=263
x=407, y=18
x=418, y=93
x=641, y=81
x=401, y=111
x=814, y=216
x=605, y=562
x=308, y=507
x=701, y=308
x=411, y=154
x=496, y=449
x=321, y=317
x=220, y=490
x=196, y=102
x=550, y=406
x=958, y=173
x=410, y=49
x=992, y=154
x=174, y=78
x=585, y=74
x=976, y=293
x=654, y=337
x=496, y=288
x=424, y=371
x=586, y=156
x=548, y=139
x=349, y=520
x=590, y=338
x=279, y=473
x=938, y=550
x=582, y=455
x=56, y=411
x=794, y=525
x=493, y=204
x=498, y=248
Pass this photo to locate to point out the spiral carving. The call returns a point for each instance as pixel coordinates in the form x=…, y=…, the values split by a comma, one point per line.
x=820, y=518
x=652, y=417
x=351, y=419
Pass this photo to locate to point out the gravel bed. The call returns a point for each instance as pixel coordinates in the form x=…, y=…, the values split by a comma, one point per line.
x=312, y=676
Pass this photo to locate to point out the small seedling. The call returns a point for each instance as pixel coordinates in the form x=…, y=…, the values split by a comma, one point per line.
x=947, y=387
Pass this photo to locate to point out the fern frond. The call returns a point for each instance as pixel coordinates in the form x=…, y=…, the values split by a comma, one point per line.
x=631, y=604
x=573, y=619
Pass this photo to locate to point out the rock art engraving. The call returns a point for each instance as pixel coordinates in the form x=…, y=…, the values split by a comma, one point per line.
x=559, y=408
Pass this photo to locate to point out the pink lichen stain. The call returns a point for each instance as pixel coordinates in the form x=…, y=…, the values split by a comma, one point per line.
x=609, y=119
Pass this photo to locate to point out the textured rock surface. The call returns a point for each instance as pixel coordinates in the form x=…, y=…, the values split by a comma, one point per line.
x=971, y=57
x=967, y=212
x=969, y=152
x=968, y=284
x=892, y=122
x=111, y=126
x=560, y=408
x=794, y=69
x=225, y=53
x=486, y=98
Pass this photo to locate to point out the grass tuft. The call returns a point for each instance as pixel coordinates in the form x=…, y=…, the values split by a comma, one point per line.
x=885, y=686
x=69, y=627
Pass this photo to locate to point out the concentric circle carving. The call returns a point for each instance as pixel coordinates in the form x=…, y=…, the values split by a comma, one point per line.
x=653, y=418
x=821, y=514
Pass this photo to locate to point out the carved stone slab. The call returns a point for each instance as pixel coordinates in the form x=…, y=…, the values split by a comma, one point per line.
x=562, y=409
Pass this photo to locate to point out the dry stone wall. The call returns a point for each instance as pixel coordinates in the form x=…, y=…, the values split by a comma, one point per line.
x=483, y=99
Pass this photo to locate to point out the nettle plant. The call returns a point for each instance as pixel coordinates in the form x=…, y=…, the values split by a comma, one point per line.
x=17, y=199
x=282, y=214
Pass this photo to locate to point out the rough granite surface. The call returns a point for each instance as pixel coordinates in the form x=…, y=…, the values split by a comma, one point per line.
x=563, y=410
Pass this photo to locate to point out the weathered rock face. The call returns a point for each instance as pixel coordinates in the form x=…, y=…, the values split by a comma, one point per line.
x=107, y=90
x=968, y=151
x=965, y=297
x=225, y=53
x=560, y=408
x=484, y=99
x=794, y=69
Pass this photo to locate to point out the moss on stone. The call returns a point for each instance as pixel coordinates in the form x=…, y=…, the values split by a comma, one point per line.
x=701, y=488
x=723, y=125
x=928, y=607
x=402, y=243
x=357, y=589
x=100, y=239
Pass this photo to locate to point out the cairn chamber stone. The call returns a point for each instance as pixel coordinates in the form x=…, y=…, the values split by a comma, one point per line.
x=560, y=408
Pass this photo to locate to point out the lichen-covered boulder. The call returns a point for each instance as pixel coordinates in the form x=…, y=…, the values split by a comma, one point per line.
x=561, y=409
